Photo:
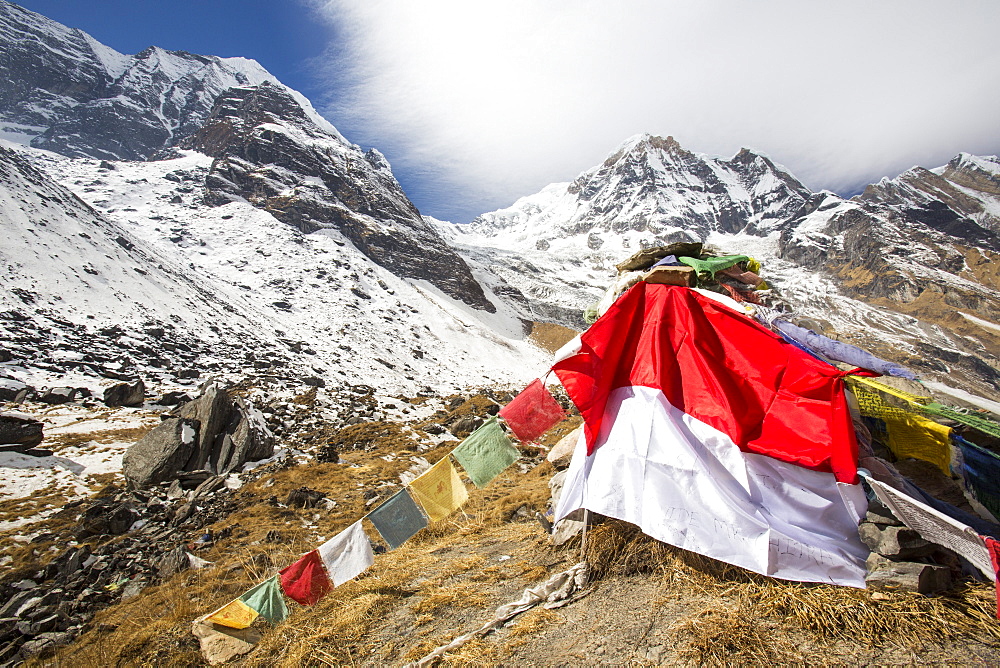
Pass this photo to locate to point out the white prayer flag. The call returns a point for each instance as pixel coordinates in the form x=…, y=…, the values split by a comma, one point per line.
x=347, y=555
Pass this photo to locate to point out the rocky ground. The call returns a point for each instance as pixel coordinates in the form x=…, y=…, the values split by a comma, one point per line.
x=95, y=574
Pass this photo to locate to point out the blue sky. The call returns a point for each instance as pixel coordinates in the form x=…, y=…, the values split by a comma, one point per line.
x=478, y=103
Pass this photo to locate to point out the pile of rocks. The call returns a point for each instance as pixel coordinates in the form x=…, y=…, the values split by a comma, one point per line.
x=124, y=542
x=901, y=560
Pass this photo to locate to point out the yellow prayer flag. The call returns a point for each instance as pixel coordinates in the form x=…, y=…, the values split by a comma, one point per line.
x=440, y=490
x=235, y=614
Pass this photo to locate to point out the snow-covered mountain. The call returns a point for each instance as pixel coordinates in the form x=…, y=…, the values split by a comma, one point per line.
x=153, y=281
x=905, y=269
x=650, y=191
x=269, y=152
x=66, y=92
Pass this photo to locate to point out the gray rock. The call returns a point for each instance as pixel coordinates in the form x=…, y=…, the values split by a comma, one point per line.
x=125, y=394
x=20, y=430
x=879, y=514
x=14, y=391
x=58, y=395
x=162, y=453
x=561, y=454
x=175, y=561
x=212, y=412
x=465, y=426
x=897, y=542
x=5, y=355
x=45, y=641
x=887, y=575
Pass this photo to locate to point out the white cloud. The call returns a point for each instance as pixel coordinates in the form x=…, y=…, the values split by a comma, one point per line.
x=478, y=103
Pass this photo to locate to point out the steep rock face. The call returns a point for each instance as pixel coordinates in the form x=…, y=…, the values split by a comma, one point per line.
x=652, y=191
x=910, y=234
x=268, y=151
x=66, y=92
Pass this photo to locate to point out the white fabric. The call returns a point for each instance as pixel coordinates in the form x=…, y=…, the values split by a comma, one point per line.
x=687, y=484
x=347, y=555
x=743, y=308
x=936, y=527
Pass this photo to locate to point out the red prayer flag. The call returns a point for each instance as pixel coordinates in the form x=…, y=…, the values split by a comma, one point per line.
x=994, y=547
x=719, y=367
x=533, y=412
x=306, y=580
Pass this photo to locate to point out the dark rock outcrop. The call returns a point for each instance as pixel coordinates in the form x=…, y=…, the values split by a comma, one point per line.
x=72, y=95
x=125, y=394
x=269, y=152
x=20, y=430
x=162, y=453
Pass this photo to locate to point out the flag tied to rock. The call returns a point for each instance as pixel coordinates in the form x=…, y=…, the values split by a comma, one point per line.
x=398, y=519
x=713, y=434
x=264, y=600
x=486, y=453
x=440, y=490
x=347, y=555
x=533, y=412
x=306, y=580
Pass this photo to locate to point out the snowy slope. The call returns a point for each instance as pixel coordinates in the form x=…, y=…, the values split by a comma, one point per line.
x=317, y=304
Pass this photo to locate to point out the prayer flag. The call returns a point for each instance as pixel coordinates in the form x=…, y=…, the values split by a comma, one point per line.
x=398, y=519
x=236, y=615
x=713, y=434
x=486, y=453
x=935, y=527
x=533, y=412
x=266, y=599
x=348, y=554
x=440, y=490
x=306, y=580
x=994, y=547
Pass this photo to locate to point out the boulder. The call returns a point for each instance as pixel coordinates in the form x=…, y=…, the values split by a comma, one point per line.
x=125, y=394
x=462, y=427
x=13, y=390
x=162, y=453
x=174, y=398
x=887, y=575
x=247, y=438
x=20, y=429
x=5, y=355
x=58, y=395
x=219, y=644
x=561, y=454
x=212, y=411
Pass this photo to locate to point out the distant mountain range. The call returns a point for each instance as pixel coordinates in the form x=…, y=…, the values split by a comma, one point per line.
x=209, y=197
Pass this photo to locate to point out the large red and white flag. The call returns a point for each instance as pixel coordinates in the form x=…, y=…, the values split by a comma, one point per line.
x=711, y=433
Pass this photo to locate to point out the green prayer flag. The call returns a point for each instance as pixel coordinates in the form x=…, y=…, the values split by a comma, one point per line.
x=486, y=453
x=713, y=264
x=978, y=423
x=267, y=600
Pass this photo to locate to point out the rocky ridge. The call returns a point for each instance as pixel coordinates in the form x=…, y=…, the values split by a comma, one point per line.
x=905, y=269
x=270, y=153
x=66, y=92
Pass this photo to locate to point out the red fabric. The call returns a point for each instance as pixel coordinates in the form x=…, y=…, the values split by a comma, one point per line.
x=719, y=367
x=994, y=547
x=306, y=580
x=533, y=412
